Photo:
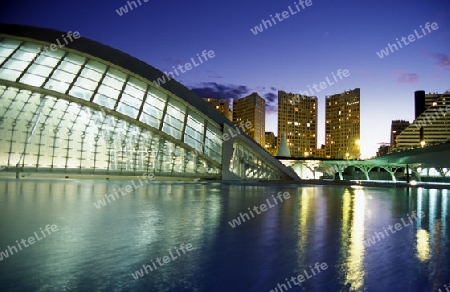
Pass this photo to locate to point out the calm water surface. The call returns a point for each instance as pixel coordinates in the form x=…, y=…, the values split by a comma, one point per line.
x=99, y=249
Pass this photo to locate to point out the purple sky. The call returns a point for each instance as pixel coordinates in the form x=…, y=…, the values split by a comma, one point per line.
x=303, y=49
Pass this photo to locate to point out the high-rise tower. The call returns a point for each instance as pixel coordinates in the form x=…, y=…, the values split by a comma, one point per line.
x=297, y=118
x=342, y=125
x=253, y=109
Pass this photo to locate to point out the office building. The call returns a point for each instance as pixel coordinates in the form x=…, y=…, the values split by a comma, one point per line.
x=251, y=108
x=321, y=152
x=342, y=125
x=297, y=118
x=271, y=143
x=222, y=105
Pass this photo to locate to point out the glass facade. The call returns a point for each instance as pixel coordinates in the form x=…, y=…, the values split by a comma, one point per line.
x=68, y=112
x=45, y=133
x=245, y=163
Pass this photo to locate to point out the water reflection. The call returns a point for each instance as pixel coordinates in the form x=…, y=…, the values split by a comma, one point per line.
x=99, y=248
x=444, y=211
x=352, y=231
x=307, y=202
x=123, y=235
x=431, y=237
x=423, y=245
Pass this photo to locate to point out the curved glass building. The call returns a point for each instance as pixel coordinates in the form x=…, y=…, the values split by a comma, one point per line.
x=88, y=109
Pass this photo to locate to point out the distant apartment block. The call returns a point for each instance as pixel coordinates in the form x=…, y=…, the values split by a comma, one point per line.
x=431, y=127
x=397, y=127
x=383, y=150
x=222, y=105
x=342, y=125
x=253, y=109
x=297, y=118
x=321, y=152
x=271, y=143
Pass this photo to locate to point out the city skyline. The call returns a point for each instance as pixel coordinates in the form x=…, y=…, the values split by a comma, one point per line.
x=297, y=54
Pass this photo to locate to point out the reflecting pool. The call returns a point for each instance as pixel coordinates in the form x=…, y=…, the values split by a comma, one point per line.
x=218, y=236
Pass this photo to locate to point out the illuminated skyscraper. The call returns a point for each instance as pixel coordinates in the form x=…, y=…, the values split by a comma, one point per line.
x=222, y=105
x=253, y=109
x=297, y=118
x=342, y=125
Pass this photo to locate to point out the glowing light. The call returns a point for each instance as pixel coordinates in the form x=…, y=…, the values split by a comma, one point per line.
x=413, y=183
x=423, y=245
x=354, y=264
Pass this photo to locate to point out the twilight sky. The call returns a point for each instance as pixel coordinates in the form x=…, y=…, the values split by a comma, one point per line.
x=301, y=50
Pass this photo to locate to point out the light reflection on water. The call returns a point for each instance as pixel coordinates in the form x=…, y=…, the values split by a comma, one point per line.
x=353, y=267
x=98, y=249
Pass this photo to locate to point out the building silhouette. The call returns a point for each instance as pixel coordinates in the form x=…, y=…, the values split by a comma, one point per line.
x=342, y=125
x=383, y=150
x=397, y=127
x=297, y=118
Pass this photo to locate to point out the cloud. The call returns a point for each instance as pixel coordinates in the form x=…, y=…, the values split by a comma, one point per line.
x=221, y=91
x=442, y=60
x=271, y=101
x=410, y=78
x=441, y=63
x=230, y=92
x=270, y=97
